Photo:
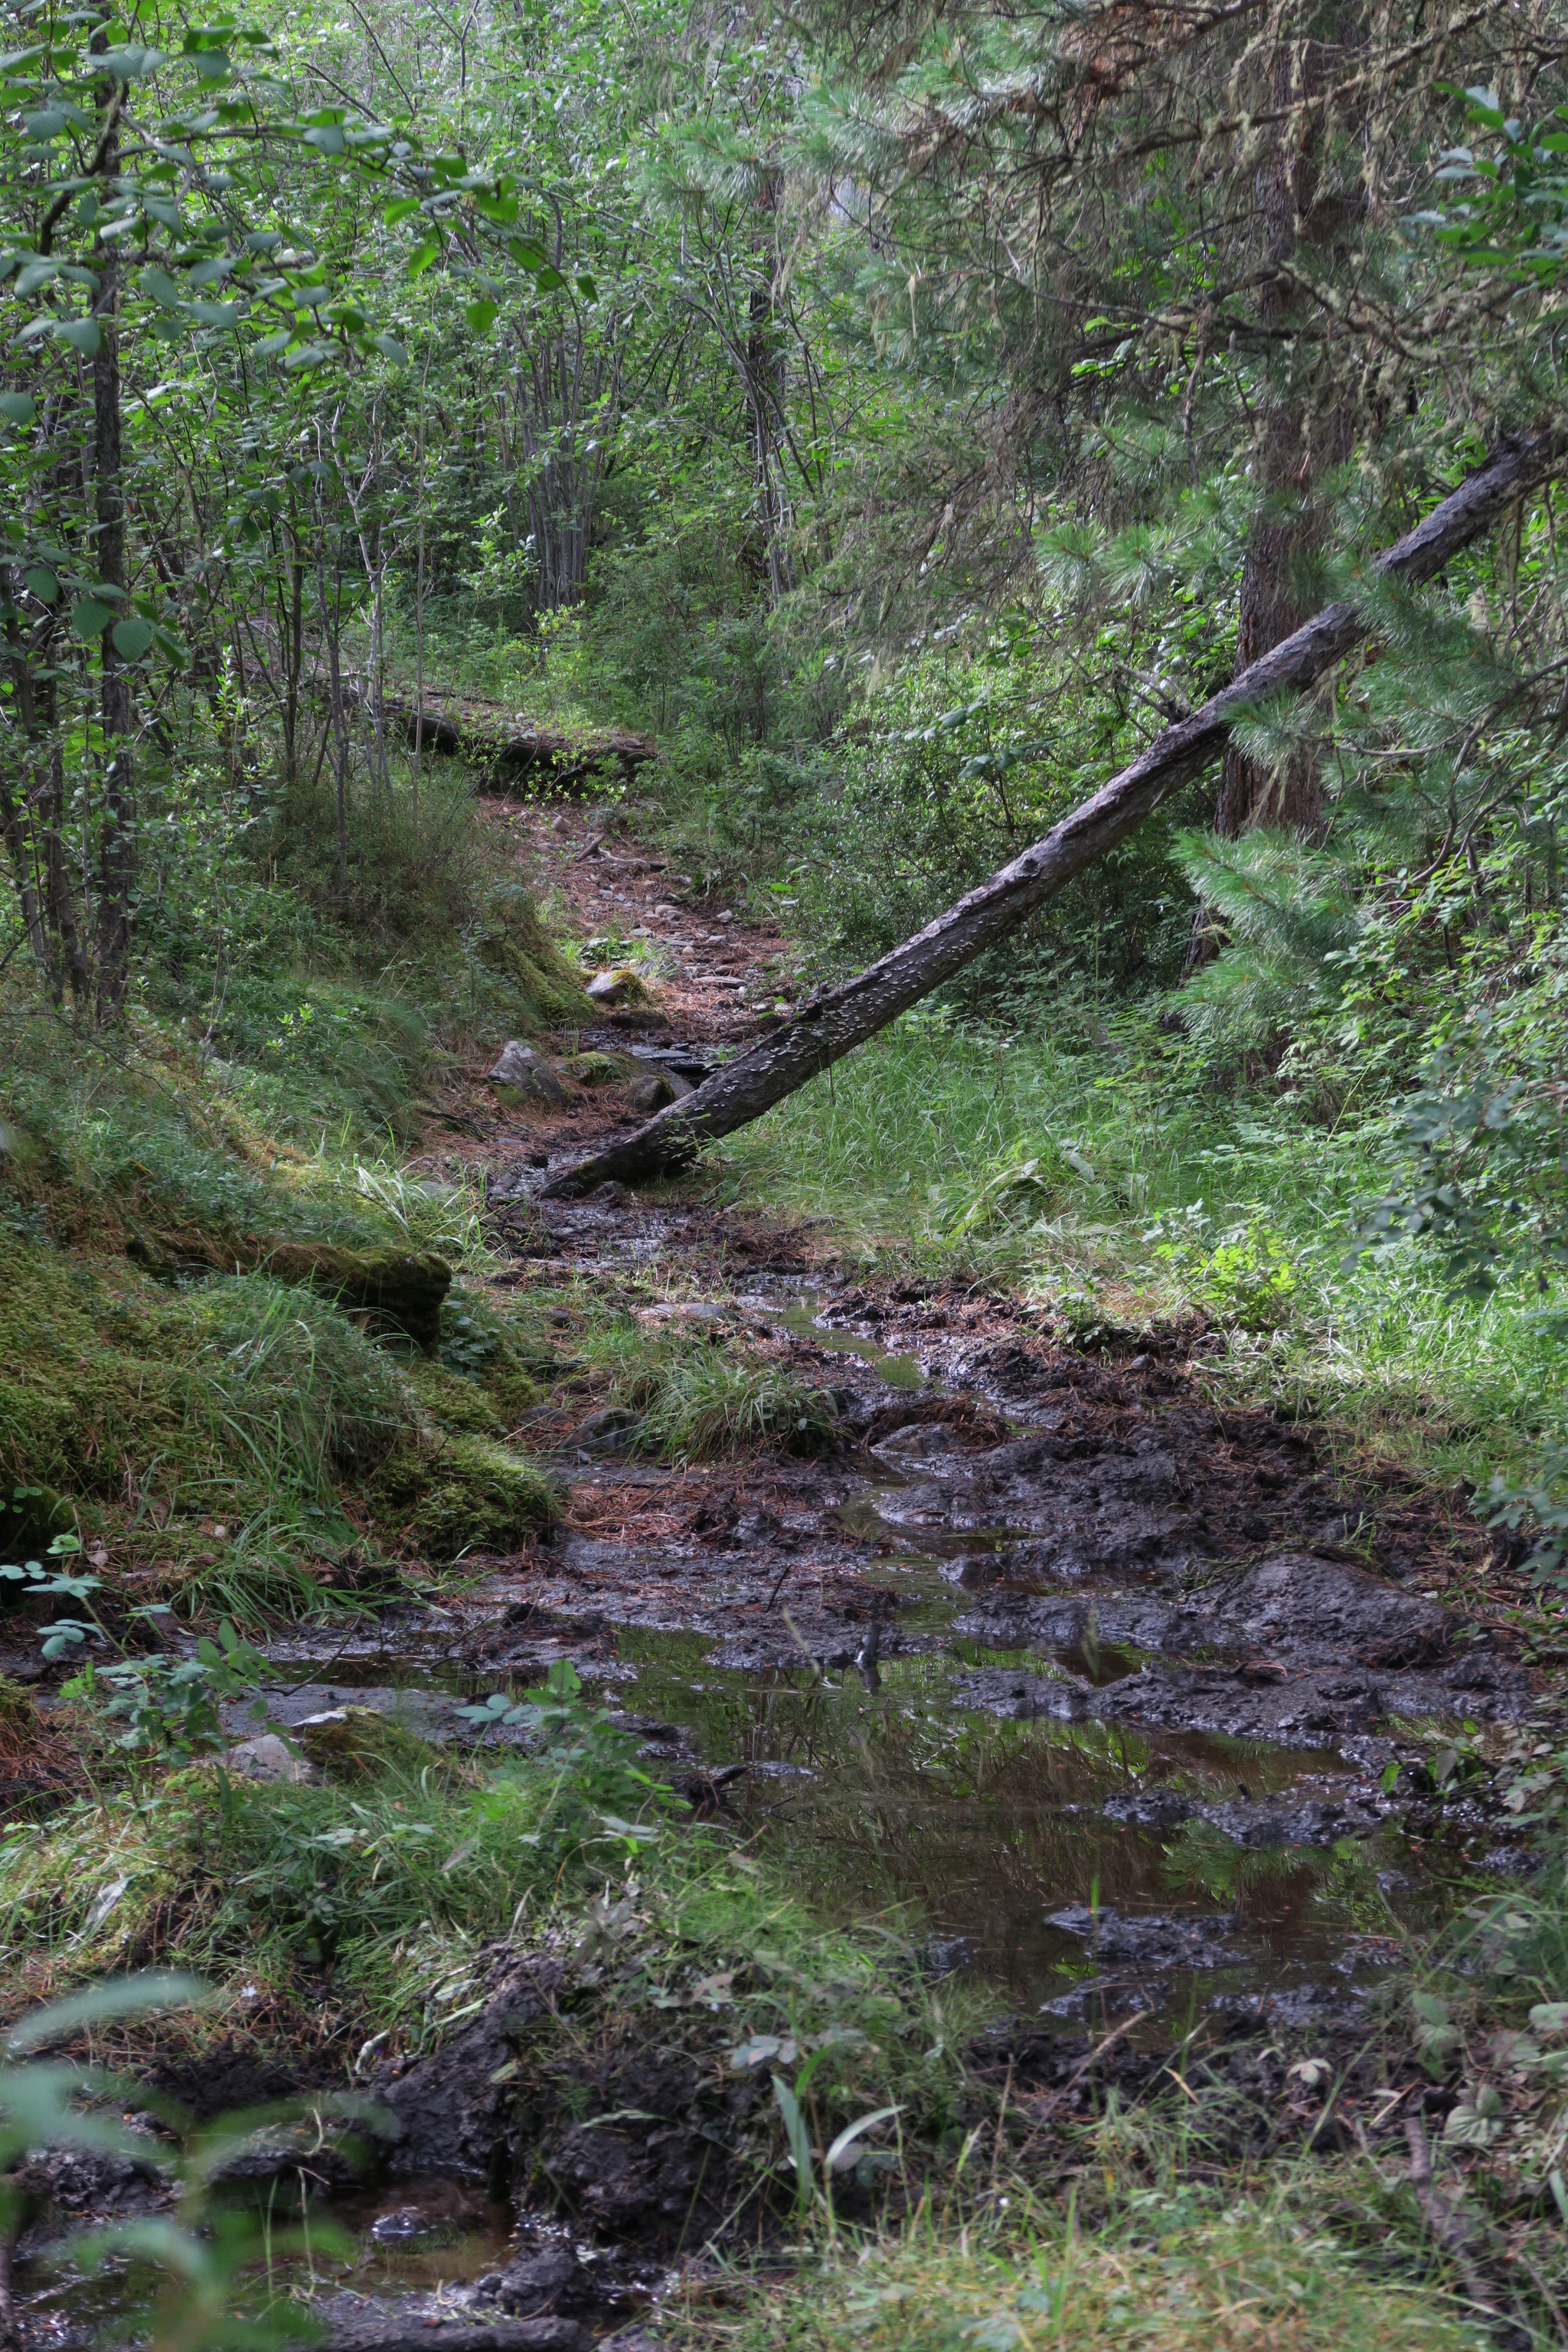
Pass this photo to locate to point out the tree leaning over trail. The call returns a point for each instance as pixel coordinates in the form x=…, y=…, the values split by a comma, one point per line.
x=823, y=1031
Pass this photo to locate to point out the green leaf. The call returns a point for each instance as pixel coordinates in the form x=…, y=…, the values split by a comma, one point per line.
x=162, y=289
x=421, y=257
x=41, y=583
x=34, y=274
x=132, y=638
x=481, y=316
x=82, y=334
x=211, y=273
x=309, y=355
x=270, y=346
x=215, y=314
x=328, y=139
x=399, y=210
x=129, y=64
x=390, y=348
x=548, y=280
x=587, y=288
x=17, y=407
x=89, y=617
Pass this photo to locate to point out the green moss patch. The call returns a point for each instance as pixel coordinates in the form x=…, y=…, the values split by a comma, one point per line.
x=516, y=947
x=598, y=1069
x=463, y=1494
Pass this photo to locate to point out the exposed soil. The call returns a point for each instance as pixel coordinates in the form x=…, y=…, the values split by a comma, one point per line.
x=1004, y=1530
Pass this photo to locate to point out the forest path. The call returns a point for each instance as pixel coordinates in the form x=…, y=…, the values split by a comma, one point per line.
x=1041, y=1628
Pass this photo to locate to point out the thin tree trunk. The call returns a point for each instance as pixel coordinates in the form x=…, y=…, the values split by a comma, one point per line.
x=116, y=852
x=832, y=1026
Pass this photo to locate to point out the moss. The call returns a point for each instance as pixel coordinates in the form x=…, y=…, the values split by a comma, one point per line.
x=359, y=1743
x=400, y=1288
x=457, y=1404
x=514, y=1391
x=220, y=1401
x=515, y=945
x=466, y=1494
x=598, y=1069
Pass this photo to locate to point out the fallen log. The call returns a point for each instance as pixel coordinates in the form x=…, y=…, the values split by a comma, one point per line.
x=830, y=1026
x=504, y=744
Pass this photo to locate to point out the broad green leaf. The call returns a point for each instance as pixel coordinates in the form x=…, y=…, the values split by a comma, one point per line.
x=17, y=407
x=390, y=348
x=421, y=257
x=82, y=334
x=89, y=617
x=548, y=278
x=328, y=139
x=46, y=123
x=307, y=355
x=215, y=314
x=270, y=346
x=399, y=210
x=41, y=583
x=129, y=64
x=211, y=273
x=34, y=274
x=587, y=288
x=162, y=289
x=132, y=638
x=481, y=316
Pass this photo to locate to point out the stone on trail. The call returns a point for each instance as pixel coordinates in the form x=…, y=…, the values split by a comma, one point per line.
x=269, y=1758
x=522, y=1072
x=651, y=1089
x=617, y=985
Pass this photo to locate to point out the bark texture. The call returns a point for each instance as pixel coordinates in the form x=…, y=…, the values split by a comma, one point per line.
x=832, y=1026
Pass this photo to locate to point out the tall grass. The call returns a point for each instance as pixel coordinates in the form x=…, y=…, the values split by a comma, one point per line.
x=1100, y=1182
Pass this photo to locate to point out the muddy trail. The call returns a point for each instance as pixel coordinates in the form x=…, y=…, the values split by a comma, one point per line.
x=1095, y=1692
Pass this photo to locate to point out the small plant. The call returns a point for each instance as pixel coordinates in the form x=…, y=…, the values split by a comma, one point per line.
x=598, y=1785
x=170, y=1706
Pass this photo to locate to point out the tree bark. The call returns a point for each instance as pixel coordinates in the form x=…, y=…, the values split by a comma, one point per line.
x=832, y=1026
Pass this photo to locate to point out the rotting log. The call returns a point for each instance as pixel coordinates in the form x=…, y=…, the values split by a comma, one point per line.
x=504, y=744
x=822, y=1031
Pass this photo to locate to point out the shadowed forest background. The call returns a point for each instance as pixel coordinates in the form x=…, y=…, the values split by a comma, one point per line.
x=831, y=445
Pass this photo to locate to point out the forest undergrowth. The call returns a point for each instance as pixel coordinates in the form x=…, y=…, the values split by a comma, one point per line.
x=883, y=426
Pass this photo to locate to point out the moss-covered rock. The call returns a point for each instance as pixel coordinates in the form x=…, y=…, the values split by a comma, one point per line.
x=515, y=945
x=400, y=1289
x=598, y=1069
x=465, y=1494
x=358, y=1743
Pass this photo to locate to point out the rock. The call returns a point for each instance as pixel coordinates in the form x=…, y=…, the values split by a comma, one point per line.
x=650, y=1090
x=355, y=1743
x=597, y=1069
x=269, y=1758
x=403, y=1288
x=519, y=1073
x=617, y=985
x=1152, y=1943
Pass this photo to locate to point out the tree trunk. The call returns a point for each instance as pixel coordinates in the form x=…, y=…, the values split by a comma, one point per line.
x=1293, y=448
x=822, y=1032
x=116, y=847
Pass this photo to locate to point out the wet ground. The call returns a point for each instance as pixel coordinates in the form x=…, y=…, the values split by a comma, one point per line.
x=1091, y=1689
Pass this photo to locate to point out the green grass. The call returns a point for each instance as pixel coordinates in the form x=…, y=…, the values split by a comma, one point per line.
x=1176, y=2270
x=1088, y=1177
